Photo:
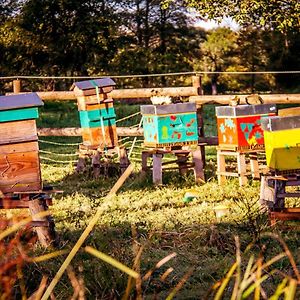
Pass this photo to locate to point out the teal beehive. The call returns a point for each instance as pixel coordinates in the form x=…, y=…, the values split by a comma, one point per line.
x=170, y=125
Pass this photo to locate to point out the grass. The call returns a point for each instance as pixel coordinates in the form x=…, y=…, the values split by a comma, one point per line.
x=156, y=218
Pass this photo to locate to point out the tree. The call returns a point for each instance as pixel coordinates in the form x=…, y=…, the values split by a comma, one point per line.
x=282, y=15
x=217, y=53
x=155, y=40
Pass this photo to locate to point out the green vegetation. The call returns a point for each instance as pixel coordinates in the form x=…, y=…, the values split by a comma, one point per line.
x=123, y=37
x=158, y=219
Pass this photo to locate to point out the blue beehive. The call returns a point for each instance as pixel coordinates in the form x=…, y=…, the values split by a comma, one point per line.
x=170, y=125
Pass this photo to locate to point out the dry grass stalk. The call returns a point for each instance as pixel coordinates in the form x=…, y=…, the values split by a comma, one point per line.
x=86, y=232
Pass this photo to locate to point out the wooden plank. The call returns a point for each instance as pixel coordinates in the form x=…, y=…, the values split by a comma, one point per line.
x=20, y=147
x=83, y=102
x=241, y=164
x=94, y=137
x=198, y=165
x=221, y=168
x=19, y=171
x=125, y=93
x=254, y=166
x=226, y=99
x=46, y=235
x=14, y=132
x=120, y=182
x=157, y=168
x=285, y=216
x=289, y=112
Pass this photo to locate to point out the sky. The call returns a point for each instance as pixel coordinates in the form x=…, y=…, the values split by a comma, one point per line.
x=227, y=22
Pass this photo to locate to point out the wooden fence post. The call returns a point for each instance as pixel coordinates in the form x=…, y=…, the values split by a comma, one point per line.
x=17, y=86
x=197, y=83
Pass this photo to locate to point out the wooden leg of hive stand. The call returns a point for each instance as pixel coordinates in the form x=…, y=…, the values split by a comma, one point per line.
x=145, y=156
x=182, y=163
x=46, y=234
x=279, y=189
x=221, y=168
x=198, y=165
x=157, y=168
x=254, y=166
x=81, y=164
x=123, y=158
x=266, y=198
x=96, y=165
x=241, y=164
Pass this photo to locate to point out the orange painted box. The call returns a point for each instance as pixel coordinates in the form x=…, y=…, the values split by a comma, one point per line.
x=239, y=126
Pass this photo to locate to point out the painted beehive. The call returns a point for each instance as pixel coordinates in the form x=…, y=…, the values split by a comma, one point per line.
x=282, y=142
x=19, y=151
x=96, y=113
x=239, y=126
x=168, y=125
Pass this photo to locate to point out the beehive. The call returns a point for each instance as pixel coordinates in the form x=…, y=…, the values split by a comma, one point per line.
x=19, y=151
x=239, y=127
x=170, y=125
x=282, y=142
x=96, y=113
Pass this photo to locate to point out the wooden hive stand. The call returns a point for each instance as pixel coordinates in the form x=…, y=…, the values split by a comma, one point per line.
x=172, y=129
x=182, y=160
x=20, y=175
x=282, y=139
x=273, y=193
x=240, y=135
x=241, y=171
x=99, y=131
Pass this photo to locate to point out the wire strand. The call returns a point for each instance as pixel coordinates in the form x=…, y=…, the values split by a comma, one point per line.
x=149, y=75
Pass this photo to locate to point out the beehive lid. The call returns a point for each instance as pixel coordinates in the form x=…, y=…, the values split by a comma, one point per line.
x=280, y=123
x=91, y=84
x=168, y=109
x=20, y=101
x=245, y=110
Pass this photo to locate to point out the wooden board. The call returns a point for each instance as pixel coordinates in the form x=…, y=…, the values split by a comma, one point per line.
x=94, y=137
x=21, y=147
x=19, y=131
x=83, y=101
x=20, y=172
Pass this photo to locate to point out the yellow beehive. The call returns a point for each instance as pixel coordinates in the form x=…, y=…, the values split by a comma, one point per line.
x=282, y=142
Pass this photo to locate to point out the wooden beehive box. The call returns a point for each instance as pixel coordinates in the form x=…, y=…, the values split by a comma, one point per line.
x=239, y=127
x=19, y=151
x=96, y=113
x=282, y=142
x=170, y=125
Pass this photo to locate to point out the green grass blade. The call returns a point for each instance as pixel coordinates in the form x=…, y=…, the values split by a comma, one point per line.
x=280, y=289
x=112, y=261
x=225, y=282
x=290, y=291
x=252, y=287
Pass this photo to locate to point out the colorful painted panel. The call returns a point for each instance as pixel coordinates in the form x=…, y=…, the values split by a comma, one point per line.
x=97, y=118
x=283, y=149
x=19, y=114
x=170, y=129
x=245, y=132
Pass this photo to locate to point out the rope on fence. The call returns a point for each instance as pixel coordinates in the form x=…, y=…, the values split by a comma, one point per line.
x=128, y=117
x=59, y=144
x=58, y=154
x=58, y=161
